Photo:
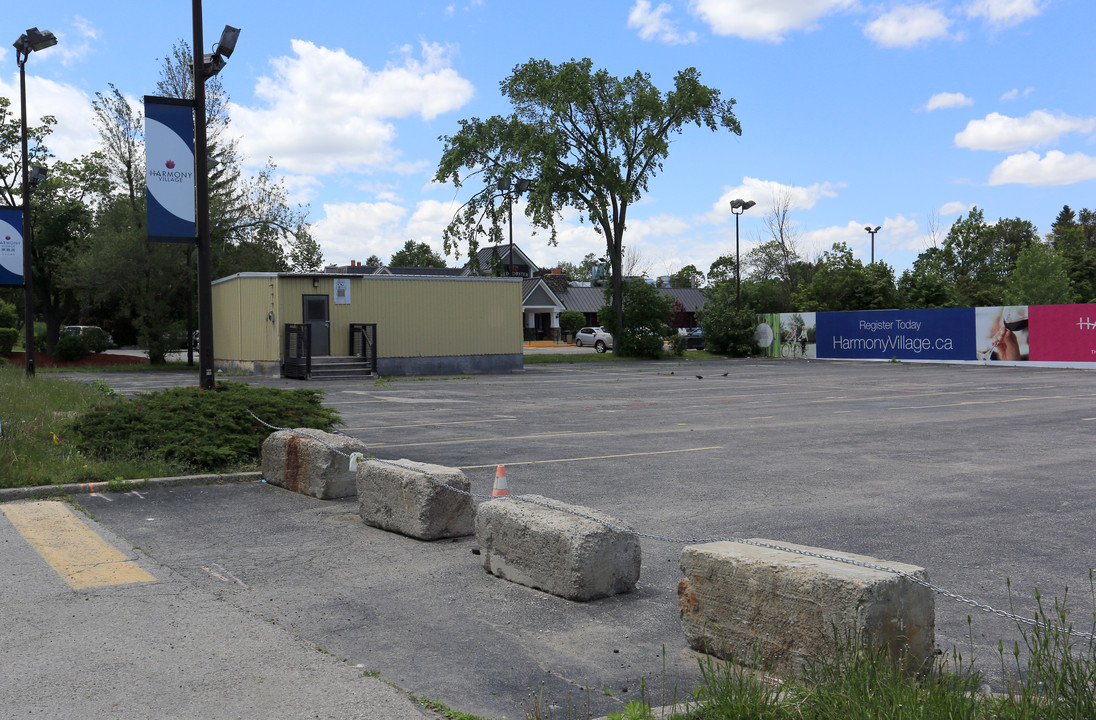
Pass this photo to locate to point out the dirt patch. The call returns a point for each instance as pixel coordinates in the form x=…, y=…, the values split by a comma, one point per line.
x=41, y=360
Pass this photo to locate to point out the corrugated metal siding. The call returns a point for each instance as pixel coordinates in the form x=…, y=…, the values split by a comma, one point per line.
x=241, y=326
x=415, y=317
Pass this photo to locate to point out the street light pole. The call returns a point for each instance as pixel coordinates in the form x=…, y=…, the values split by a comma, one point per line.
x=206, y=378
x=737, y=208
x=512, y=189
x=205, y=67
x=872, y=232
x=30, y=41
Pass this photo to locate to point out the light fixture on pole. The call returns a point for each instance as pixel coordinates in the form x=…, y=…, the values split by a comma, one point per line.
x=519, y=185
x=206, y=65
x=872, y=230
x=737, y=208
x=32, y=40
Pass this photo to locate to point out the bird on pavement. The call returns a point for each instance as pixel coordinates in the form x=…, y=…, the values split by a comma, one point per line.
x=699, y=377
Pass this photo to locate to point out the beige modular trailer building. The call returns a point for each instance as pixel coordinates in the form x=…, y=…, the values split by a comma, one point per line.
x=425, y=325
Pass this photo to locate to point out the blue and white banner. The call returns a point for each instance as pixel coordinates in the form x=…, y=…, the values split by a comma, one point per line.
x=169, y=169
x=945, y=334
x=11, y=247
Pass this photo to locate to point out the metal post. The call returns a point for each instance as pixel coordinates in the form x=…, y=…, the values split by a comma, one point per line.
x=510, y=258
x=28, y=266
x=206, y=377
x=737, y=271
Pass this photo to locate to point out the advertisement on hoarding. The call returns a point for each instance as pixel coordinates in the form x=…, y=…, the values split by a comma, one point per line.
x=944, y=334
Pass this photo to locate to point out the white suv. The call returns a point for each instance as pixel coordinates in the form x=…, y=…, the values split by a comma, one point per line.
x=595, y=336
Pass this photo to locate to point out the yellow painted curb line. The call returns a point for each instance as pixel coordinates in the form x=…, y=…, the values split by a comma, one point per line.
x=71, y=548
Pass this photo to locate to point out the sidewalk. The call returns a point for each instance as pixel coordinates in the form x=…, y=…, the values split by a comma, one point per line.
x=161, y=648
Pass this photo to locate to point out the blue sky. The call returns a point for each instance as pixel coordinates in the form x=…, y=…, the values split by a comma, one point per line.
x=901, y=114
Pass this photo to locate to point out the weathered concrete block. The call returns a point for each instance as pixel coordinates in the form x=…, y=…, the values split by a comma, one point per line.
x=410, y=498
x=556, y=551
x=783, y=609
x=304, y=461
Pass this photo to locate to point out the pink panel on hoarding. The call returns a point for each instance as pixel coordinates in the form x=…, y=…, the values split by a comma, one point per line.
x=1063, y=333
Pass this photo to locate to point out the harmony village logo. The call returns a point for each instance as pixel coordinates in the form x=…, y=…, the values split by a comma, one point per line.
x=170, y=175
x=1086, y=324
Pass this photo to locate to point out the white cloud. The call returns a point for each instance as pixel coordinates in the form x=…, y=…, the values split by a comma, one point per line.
x=354, y=231
x=895, y=234
x=908, y=26
x=653, y=24
x=1056, y=168
x=947, y=100
x=1015, y=93
x=1038, y=128
x=74, y=134
x=764, y=19
x=954, y=208
x=1004, y=13
x=765, y=193
x=326, y=111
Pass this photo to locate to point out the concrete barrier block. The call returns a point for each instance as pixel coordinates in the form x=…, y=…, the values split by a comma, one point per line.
x=305, y=461
x=410, y=498
x=783, y=609
x=556, y=551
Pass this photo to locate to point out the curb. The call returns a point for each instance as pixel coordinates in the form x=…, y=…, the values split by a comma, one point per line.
x=44, y=491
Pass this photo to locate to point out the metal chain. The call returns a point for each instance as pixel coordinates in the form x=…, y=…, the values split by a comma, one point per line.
x=1031, y=622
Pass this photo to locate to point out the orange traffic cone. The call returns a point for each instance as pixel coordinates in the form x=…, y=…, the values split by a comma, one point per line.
x=501, y=490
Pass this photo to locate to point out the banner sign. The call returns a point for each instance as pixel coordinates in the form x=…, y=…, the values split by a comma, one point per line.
x=169, y=169
x=11, y=247
x=1009, y=333
x=946, y=334
x=1063, y=332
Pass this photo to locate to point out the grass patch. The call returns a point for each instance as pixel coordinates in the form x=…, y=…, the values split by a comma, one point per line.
x=54, y=432
x=136, y=367
x=36, y=436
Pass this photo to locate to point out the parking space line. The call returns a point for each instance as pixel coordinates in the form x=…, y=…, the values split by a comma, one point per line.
x=593, y=457
x=995, y=401
x=535, y=436
x=455, y=422
x=78, y=554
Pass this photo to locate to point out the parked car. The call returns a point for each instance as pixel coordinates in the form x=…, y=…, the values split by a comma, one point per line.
x=89, y=331
x=595, y=337
x=694, y=339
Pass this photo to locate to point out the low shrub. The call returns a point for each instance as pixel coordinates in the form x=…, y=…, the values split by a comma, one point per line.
x=8, y=338
x=97, y=339
x=71, y=347
x=206, y=430
x=678, y=345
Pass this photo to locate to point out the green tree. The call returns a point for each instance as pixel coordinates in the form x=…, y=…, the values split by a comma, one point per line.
x=726, y=330
x=64, y=219
x=842, y=282
x=1039, y=278
x=722, y=270
x=583, y=271
x=974, y=260
x=646, y=320
x=687, y=277
x=417, y=255
x=591, y=141
x=1075, y=243
x=374, y=261
x=11, y=150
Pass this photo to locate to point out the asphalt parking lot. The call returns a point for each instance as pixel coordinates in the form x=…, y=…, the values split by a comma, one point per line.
x=979, y=474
